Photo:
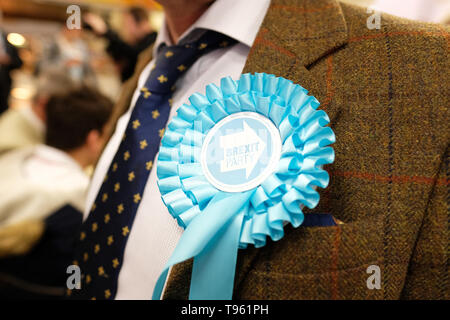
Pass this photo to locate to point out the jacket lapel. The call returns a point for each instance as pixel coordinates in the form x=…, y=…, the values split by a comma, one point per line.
x=291, y=40
x=294, y=37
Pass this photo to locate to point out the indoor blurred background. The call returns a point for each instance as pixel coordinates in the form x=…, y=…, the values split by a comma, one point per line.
x=37, y=27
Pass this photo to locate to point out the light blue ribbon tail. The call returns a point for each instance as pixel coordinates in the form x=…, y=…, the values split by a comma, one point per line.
x=214, y=268
x=214, y=229
x=235, y=166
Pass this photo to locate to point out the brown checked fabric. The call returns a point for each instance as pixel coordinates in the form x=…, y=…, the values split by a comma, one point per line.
x=386, y=92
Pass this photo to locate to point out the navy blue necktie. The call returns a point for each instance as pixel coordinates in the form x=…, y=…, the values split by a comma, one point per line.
x=105, y=232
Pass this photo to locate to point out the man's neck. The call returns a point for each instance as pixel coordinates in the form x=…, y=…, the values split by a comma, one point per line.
x=179, y=17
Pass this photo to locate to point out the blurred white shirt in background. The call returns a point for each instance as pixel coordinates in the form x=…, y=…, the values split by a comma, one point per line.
x=37, y=181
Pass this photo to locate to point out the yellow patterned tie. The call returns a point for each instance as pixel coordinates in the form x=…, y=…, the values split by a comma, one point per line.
x=104, y=234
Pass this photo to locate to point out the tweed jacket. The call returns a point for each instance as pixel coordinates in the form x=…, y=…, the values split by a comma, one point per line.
x=386, y=92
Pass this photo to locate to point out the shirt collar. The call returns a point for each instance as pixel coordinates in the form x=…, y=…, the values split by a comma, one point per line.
x=237, y=19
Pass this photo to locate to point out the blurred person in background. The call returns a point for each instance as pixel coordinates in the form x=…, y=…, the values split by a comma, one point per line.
x=140, y=37
x=42, y=195
x=69, y=53
x=26, y=126
x=9, y=60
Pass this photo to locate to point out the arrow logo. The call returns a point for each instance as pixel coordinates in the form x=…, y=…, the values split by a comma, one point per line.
x=242, y=150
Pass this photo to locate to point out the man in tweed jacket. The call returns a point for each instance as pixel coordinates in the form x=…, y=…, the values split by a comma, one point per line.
x=386, y=92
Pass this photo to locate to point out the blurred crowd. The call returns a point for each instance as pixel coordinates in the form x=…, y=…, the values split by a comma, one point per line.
x=49, y=145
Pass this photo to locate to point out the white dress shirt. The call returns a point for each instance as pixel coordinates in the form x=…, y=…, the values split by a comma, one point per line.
x=155, y=234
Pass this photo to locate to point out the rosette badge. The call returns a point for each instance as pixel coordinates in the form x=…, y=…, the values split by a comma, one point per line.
x=235, y=166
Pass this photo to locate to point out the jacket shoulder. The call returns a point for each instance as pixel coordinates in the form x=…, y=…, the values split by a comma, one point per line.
x=367, y=25
x=415, y=54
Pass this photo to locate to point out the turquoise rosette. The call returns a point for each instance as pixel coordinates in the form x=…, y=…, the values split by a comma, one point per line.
x=218, y=222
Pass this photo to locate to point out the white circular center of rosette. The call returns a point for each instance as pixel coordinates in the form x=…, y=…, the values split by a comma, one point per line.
x=240, y=152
